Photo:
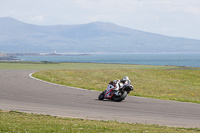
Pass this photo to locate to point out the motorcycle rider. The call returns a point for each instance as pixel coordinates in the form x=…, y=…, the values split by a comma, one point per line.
x=115, y=85
x=126, y=81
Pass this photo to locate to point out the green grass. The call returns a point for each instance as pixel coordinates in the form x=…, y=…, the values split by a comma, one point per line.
x=161, y=82
x=167, y=84
x=17, y=122
x=72, y=66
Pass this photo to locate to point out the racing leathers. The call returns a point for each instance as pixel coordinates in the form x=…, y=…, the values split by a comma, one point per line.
x=114, y=86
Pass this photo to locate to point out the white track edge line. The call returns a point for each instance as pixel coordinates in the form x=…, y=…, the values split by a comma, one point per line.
x=30, y=75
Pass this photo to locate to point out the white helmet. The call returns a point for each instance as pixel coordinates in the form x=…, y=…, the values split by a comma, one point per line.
x=125, y=78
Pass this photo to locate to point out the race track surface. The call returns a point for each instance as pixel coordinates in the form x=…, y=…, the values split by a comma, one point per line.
x=19, y=92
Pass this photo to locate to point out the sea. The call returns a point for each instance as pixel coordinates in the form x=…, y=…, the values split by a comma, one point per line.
x=188, y=60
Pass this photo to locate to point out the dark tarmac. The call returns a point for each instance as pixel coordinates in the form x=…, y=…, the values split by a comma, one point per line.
x=19, y=92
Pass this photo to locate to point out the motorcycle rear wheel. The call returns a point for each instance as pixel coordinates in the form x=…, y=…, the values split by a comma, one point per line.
x=120, y=98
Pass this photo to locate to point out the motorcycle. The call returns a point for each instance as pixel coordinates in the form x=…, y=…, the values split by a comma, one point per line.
x=122, y=93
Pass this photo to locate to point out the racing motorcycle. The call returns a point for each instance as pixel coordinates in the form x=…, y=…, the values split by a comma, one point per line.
x=122, y=93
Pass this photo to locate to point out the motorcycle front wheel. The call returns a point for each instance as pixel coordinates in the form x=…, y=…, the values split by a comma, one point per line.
x=101, y=96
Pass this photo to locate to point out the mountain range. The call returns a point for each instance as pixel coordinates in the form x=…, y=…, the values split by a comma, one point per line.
x=96, y=37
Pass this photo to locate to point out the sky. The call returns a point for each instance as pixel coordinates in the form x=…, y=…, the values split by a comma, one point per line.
x=177, y=18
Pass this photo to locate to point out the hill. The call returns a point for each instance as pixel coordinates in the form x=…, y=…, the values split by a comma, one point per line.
x=5, y=57
x=2, y=55
x=96, y=37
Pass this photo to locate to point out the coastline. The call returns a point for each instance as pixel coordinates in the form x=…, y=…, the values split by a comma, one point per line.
x=188, y=60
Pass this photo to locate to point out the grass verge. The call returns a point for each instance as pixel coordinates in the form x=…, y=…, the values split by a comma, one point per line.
x=74, y=66
x=161, y=82
x=167, y=84
x=14, y=122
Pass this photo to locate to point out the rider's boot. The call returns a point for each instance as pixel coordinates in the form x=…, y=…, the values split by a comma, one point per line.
x=117, y=93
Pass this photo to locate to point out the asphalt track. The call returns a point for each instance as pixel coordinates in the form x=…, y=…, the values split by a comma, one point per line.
x=19, y=92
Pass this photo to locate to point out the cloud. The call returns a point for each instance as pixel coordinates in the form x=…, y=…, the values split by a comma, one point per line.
x=193, y=10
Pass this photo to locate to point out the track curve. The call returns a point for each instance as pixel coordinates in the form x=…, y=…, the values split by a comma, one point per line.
x=21, y=93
